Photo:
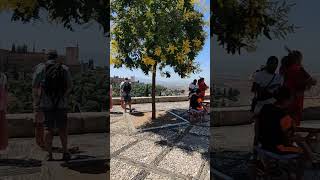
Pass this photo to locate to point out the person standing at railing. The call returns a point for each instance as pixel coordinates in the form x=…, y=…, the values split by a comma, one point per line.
x=298, y=81
x=125, y=92
x=3, y=110
x=203, y=87
x=38, y=114
x=193, y=87
x=110, y=97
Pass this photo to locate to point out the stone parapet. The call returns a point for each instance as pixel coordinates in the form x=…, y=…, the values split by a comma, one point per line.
x=231, y=116
x=142, y=100
x=21, y=125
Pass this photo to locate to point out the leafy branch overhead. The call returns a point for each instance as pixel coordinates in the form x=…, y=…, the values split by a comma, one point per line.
x=238, y=24
x=68, y=12
x=157, y=33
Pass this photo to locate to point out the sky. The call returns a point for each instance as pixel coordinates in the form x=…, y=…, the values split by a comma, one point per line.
x=92, y=43
x=203, y=58
x=305, y=15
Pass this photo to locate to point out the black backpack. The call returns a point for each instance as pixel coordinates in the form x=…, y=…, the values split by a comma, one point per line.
x=55, y=82
x=126, y=87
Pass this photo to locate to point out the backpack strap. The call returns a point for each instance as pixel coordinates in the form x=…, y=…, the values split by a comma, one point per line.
x=274, y=75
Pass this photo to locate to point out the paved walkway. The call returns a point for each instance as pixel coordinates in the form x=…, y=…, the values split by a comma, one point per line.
x=166, y=153
x=25, y=161
x=232, y=146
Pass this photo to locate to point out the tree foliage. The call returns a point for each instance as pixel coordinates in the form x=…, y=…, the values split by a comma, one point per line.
x=238, y=24
x=148, y=33
x=68, y=12
x=155, y=34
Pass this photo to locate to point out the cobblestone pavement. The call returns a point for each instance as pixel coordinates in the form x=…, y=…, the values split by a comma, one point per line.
x=25, y=161
x=179, y=152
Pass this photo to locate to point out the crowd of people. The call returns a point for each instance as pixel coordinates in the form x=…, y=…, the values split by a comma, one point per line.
x=51, y=86
x=278, y=105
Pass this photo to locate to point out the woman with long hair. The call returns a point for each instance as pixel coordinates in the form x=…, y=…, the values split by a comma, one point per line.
x=298, y=81
x=3, y=110
x=203, y=87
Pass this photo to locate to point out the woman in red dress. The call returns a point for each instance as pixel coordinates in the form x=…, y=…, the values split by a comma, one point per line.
x=298, y=81
x=203, y=87
x=3, y=110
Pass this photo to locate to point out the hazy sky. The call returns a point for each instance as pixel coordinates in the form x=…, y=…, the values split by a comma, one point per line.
x=91, y=41
x=305, y=15
x=203, y=58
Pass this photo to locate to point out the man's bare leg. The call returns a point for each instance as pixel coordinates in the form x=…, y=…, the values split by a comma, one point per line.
x=64, y=139
x=48, y=142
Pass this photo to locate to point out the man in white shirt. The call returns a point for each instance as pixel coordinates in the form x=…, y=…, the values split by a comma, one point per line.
x=266, y=83
x=193, y=86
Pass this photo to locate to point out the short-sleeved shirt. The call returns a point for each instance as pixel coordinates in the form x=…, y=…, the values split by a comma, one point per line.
x=195, y=102
x=272, y=121
x=121, y=88
x=263, y=79
x=193, y=86
x=45, y=102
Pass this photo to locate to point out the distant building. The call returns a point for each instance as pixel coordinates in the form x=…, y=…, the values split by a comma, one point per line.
x=117, y=79
x=13, y=61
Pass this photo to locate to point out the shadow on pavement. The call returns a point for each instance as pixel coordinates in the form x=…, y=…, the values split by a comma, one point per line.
x=178, y=136
x=87, y=165
x=232, y=163
x=162, y=119
x=137, y=113
x=20, y=162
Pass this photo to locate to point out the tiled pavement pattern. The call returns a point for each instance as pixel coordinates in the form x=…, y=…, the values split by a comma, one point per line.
x=232, y=145
x=25, y=161
x=167, y=153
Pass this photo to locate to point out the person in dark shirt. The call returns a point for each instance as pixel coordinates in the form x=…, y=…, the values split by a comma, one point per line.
x=276, y=128
x=196, y=107
x=195, y=101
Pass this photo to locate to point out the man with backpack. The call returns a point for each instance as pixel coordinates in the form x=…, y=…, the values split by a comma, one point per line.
x=54, y=80
x=125, y=90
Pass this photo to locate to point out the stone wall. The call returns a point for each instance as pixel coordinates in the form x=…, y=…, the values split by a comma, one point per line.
x=21, y=125
x=142, y=100
x=241, y=115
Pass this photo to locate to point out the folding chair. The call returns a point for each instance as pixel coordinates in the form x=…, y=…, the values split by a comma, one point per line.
x=270, y=165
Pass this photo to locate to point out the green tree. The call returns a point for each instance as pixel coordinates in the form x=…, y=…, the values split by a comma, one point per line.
x=154, y=34
x=146, y=91
x=68, y=13
x=239, y=24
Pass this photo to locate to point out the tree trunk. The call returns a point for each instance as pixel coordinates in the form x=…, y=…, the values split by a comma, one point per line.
x=153, y=91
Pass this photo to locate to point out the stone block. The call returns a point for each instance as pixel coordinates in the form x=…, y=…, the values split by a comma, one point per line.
x=232, y=116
